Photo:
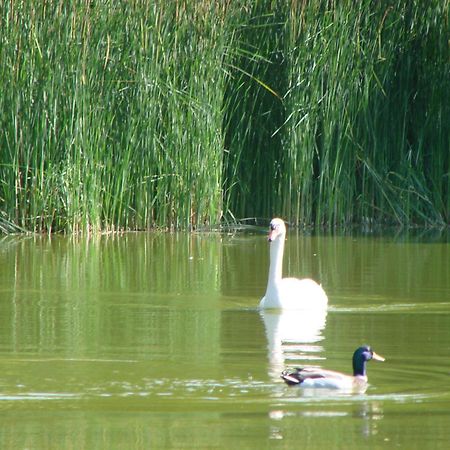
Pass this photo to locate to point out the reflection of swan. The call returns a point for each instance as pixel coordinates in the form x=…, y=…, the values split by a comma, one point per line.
x=288, y=293
x=292, y=336
x=313, y=377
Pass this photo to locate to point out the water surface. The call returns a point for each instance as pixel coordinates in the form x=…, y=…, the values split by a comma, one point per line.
x=154, y=341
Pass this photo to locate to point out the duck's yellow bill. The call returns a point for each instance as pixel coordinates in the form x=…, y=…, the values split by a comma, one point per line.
x=377, y=357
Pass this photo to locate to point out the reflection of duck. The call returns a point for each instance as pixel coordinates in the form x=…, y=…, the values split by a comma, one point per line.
x=288, y=293
x=292, y=335
x=320, y=378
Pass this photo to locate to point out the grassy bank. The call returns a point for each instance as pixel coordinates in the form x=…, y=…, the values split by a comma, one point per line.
x=130, y=115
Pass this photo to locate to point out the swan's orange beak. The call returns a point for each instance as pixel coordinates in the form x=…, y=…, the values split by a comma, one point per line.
x=273, y=233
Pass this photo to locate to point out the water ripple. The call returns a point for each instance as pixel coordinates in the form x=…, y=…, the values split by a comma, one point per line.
x=441, y=307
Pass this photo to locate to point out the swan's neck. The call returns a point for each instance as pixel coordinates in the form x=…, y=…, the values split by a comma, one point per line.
x=276, y=262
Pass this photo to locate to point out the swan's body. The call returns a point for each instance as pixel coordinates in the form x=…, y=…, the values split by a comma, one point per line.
x=288, y=293
x=320, y=378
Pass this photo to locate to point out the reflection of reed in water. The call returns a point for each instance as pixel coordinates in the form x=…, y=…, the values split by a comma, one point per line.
x=292, y=336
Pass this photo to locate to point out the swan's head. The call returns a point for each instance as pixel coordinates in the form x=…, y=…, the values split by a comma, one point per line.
x=277, y=229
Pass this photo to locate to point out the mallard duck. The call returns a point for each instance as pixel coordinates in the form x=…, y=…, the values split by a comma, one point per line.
x=320, y=378
x=288, y=293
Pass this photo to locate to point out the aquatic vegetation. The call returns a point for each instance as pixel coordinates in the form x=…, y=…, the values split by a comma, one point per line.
x=181, y=114
x=366, y=101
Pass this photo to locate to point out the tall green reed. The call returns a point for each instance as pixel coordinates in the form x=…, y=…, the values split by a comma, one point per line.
x=112, y=114
x=366, y=99
x=254, y=110
x=178, y=114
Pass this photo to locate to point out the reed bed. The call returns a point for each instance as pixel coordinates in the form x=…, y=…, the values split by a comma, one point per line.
x=369, y=87
x=179, y=114
x=112, y=114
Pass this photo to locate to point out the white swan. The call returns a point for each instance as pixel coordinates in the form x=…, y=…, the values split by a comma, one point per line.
x=288, y=293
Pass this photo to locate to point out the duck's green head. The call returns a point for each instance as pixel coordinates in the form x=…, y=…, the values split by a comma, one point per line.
x=361, y=356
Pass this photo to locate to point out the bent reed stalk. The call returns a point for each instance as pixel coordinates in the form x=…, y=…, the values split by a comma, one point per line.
x=177, y=114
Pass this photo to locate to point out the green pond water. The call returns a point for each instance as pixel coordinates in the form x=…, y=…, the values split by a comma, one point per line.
x=154, y=340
